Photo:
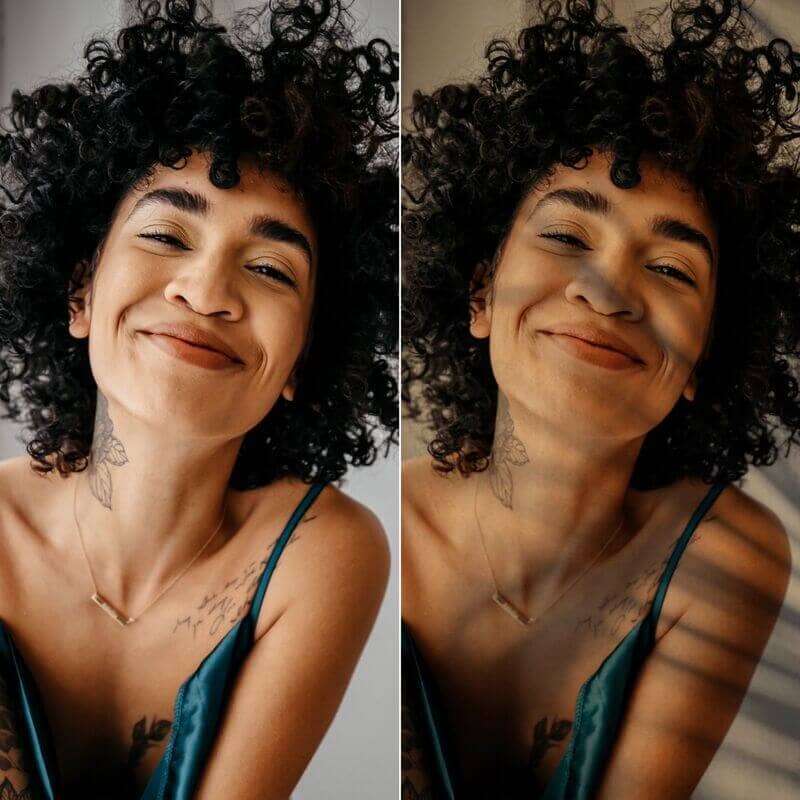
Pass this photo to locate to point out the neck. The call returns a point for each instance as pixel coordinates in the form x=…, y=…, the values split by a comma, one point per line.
x=147, y=503
x=551, y=500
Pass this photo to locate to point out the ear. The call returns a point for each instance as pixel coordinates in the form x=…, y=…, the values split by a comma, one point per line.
x=480, y=302
x=80, y=310
x=290, y=388
x=690, y=390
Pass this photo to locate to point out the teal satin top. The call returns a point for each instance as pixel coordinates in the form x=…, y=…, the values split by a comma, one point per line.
x=599, y=706
x=198, y=706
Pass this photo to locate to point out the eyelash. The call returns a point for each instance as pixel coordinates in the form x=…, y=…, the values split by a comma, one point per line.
x=574, y=241
x=172, y=241
x=273, y=272
x=164, y=239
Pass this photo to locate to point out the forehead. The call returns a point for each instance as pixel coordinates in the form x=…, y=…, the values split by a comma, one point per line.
x=660, y=192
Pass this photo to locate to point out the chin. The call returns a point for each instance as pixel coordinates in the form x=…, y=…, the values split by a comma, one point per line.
x=178, y=411
x=590, y=409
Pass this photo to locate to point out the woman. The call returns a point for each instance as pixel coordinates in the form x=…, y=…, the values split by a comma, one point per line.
x=602, y=328
x=198, y=267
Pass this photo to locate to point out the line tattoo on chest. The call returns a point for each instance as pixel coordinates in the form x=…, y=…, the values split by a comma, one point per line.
x=230, y=603
x=625, y=607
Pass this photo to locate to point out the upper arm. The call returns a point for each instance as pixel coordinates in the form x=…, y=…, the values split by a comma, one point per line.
x=293, y=680
x=692, y=684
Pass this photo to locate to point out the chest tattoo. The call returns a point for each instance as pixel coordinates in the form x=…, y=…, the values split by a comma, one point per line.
x=546, y=737
x=144, y=738
x=13, y=757
x=230, y=602
x=8, y=792
x=623, y=608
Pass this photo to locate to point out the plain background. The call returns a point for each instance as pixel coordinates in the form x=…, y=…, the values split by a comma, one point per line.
x=41, y=41
x=443, y=41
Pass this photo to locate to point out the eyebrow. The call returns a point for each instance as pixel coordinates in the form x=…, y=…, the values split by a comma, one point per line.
x=276, y=230
x=182, y=199
x=593, y=202
x=582, y=199
x=680, y=231
x=265, y=227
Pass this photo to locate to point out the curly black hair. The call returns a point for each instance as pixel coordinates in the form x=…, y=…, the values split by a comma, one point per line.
x=288, y=86
x=718, y=110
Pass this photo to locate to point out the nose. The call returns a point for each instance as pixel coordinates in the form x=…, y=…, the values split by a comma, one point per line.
x=205, y=284
x=608, y=286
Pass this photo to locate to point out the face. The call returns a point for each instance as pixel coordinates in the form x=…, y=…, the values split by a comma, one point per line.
x=185, y=261
x=601, y=302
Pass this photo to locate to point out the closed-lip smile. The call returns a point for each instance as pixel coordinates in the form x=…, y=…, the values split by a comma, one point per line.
x=195, y=336
x=597, y=337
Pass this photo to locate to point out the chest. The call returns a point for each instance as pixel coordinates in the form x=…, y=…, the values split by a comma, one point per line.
x=508, y=693
x=108, y=692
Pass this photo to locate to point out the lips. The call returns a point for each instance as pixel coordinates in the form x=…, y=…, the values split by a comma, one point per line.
x=196, y=337
x=597, y=337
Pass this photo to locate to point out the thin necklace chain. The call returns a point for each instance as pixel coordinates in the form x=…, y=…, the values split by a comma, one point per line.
x=168, y=586
x=522, y=618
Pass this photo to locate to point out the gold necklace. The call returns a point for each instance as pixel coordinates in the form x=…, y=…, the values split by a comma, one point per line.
x=502, y=600
x=97, y=598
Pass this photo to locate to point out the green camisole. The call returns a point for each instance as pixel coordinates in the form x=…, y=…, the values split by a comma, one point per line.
x=198, y=705
x=599, y=706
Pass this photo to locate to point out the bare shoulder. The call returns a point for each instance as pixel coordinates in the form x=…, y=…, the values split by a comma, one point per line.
x=419, y=481
x=430, y=511
x=746, y=546
x=429, y=497
x=731, y=582
x=26, y=509
x=18, y=479
x=350, y=528
x=418, y=497
x=339, y=556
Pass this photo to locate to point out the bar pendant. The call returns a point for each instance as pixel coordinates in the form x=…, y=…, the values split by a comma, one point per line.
x=112, y=612
x=511, y=609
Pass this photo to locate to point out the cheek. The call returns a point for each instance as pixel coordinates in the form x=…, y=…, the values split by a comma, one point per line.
x=116, y=289
x=680, y=330
x=521, y=283
x=123, y=276
x=281, y=331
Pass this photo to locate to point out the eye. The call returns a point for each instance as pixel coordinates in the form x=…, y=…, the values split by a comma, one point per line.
x=566, y=238
x=674, y=272
x=271, y=272
x=164, y=238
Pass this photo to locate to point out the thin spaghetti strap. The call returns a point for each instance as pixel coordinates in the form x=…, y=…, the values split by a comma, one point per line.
x=663, y=585
x=280, y=544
